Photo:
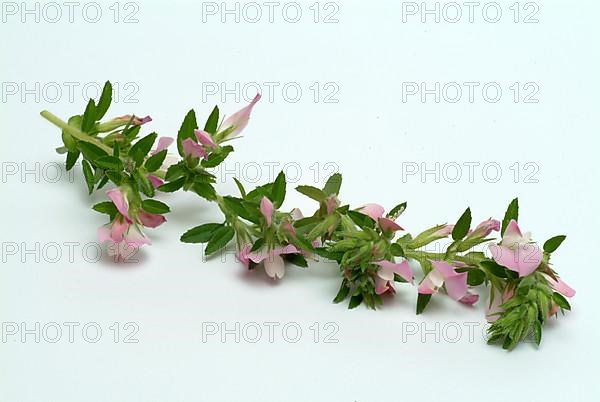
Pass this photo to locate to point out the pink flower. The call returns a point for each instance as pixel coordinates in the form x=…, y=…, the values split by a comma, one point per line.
x=124, y=238
x=155, y=180
x=273, y=263
x=136, y=120
x=560, y=286
x=375, y=212
x=151, y=220
x=192, y=149
x=516, y=251
x=205, y=139
x=444, y=231
x=239, y=120
x=267, y=209
x=244, y=253
x=119, y=198
x=332, y=203
x=444, y=274
x=485, y=228
x=384, y=280
x=163, y=143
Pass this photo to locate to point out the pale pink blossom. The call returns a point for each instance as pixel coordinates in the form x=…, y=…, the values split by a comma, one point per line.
x=375, y=212
x=384, y=279
x=267, y=209
x=516, y=251
x=192, y=149
x=239, y=120
x=272, y=260
x=444, y=274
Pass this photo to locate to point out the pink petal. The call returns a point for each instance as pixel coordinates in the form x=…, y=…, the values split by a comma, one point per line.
x=375, y=211
x=143, y=120
x=381, y=285
x=155, y=180
x=205, y=138
x=118, y=228
x=289, y=249
x=135, y=237
x=444, y=268
x=332, y=203
x=427, y=287
x=275, y=267
x=456, y=286
x=523, y=260
x=296, y=214
x=266, y=208
x=193, y=149
x=163, y=143
x=445, y=231
x=104, y=233
x=512, y=229
x=560, y=286
x=402, y=269
x=239, y=120
x=151, y=220
x=118, y=198
x=388, y=225
x=244, y=253
x=469, y=298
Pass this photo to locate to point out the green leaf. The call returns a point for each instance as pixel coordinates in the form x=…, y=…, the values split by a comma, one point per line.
x=552, y=244
x=561, y=301
x=109, y=163
x=259, y=192
x=219, y=239
x=201, y=234
x=537, y=332
x=89, y=175
x=396, y=250
x=258, y=244
x=475, y=276
x=494, y=268
x=397, y=211
x=215, y=158
x=155, y=207
x=187, y=130
x=106, y=207
x=422, y=301
x=130, y=131
x=278, y=190
x=238, y=206
x=102, y=182
x=91, y=151
x=361, y=219
x=115, y=177
x=512, y=212
x=342, y=293
x=154, y=162
x=296, y=259
x=143, y=183
x=89, y=117
x=140, y=149
x=355, y=301
x=333, y=185
x=104, y=101
x=205, y=190
x=175, y=172
x=172, y=186
x=312, y=192
x=240, y=187
x=72, y=159
x=212, y=121
x=462, y=225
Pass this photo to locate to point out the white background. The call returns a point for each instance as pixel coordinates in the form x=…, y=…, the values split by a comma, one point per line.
x=168, y=58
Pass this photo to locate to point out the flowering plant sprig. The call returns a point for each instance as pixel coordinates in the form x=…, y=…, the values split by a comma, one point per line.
x=372, y=250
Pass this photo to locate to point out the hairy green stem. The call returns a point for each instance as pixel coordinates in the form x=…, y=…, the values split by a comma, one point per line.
x=81, y=136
